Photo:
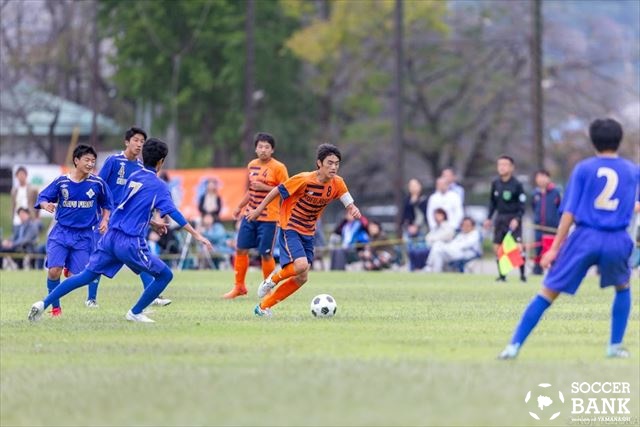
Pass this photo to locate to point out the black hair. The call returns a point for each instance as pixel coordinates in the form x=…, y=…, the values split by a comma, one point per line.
x=153, y=151
x=325, y=150
x=441, y=211
x=265, y=137
x=83, y=150
x=21, y=169
x=23, y=209
x=469, y=219
x=605, y=134
x=132, y=131
x=504, y=156
x=543, y=172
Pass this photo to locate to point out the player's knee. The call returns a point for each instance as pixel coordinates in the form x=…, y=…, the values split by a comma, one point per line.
x=301, y=265
x=54, y=273
x=302, y=278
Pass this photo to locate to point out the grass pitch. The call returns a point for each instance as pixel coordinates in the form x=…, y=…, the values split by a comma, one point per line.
x=403, y=349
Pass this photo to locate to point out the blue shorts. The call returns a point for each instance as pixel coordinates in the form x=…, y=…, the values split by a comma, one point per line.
x=294, y=245
x=69, y=247
x=116, y=249
x=257, y=234
x=585, y=247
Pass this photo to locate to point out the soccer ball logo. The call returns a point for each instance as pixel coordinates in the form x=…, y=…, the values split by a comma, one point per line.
x=544, y=400
x=323, y=305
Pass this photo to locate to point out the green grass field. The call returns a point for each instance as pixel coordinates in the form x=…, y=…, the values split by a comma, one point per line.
x=404, y=349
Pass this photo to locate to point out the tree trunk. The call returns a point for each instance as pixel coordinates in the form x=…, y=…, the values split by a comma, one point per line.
x=249, y=83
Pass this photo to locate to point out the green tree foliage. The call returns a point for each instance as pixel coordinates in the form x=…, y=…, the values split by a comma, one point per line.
x=189, y=55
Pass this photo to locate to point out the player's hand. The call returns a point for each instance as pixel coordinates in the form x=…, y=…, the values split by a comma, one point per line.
x=513, y=225
x=354, y=211
x=548, y=258
x=487, y=224
x=259, y=186
x=104, y=224
x=205, y=242
x=159, y=227
x=47, y=206
x=252, y=215
x=236, y=213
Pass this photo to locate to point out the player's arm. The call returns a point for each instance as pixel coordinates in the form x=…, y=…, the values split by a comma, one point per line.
x=521, y=198
x=106, y=205
x=347, y=200
x=492, y=207
x=243, y=203
x=566, y=221
x=48, y=198
x=183, y=223
x=254, y=214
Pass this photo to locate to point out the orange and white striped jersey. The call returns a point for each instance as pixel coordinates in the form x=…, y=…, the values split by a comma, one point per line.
x=305, y=199
x=271, y=173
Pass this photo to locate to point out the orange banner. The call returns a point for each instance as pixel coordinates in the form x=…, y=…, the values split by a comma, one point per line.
x=187, y=185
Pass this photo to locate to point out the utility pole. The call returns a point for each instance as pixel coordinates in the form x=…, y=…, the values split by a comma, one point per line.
x=537, y=102
x=249, y=82
x=398, y=137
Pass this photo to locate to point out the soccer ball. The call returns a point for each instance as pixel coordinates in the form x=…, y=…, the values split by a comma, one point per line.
x=323, y=305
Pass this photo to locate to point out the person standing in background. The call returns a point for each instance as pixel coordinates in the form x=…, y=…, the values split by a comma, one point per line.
x=546, y=212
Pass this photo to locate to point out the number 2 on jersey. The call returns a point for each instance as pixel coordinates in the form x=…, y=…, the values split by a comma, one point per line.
x=135, y=186
x=604, y=200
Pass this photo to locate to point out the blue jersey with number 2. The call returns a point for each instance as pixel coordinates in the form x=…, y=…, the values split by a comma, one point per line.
x=602, y=192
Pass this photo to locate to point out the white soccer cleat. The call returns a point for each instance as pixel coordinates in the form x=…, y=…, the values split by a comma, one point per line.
x=262, y=312
x=138, y=317
x=91, y=303
x=617, y=352
x=510, y=352
x=160, y=301
x=266, y=286
x=37, y=309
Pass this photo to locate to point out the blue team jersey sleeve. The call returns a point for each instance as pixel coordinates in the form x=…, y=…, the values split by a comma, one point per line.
x=105, y=198
x=105, y=172
x=49, y=194
x=572, y=194
x=164, y=202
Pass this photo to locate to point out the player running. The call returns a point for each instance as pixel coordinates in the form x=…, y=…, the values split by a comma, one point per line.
x=600, y=199
x=77, y=198
x=265, y=173
x=125, y=242
x=305, y=197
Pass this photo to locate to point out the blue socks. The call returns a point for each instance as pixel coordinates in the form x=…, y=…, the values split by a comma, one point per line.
x=620, y=315
x=93, y=289
x=51, y=285
x=69, y=285
x=146, y=279
x=153, y=289
x=530, y=319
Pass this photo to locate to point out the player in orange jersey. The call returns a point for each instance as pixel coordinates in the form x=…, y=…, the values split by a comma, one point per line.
x=304, y=198
x=265, y=174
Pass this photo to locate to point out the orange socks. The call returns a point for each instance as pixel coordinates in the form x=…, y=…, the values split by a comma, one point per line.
x=285, y=273
x=241, y=265
x=268, y=266
x=280, y=294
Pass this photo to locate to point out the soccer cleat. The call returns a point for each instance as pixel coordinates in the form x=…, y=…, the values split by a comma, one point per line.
x=266, y=286
x=36, y=311
x=148, y=310
x=91, y=303
x=138, y=317
x=160, y=301
x=235, y=292
x=262, y=312
x=501, y=278
x=617, y=352
x=510, y=352
x=56, y=312
x=523, y=279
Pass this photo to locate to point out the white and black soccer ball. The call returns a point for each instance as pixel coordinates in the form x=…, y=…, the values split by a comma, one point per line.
x=323, y=305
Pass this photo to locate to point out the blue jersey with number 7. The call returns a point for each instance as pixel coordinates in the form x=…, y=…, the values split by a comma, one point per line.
x=144, y=193
x=602, y=192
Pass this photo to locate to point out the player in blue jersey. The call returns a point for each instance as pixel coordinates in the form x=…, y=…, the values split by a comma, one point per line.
x=125, y=240
x=115, y=172
x=600, y=199
x=76, y=198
